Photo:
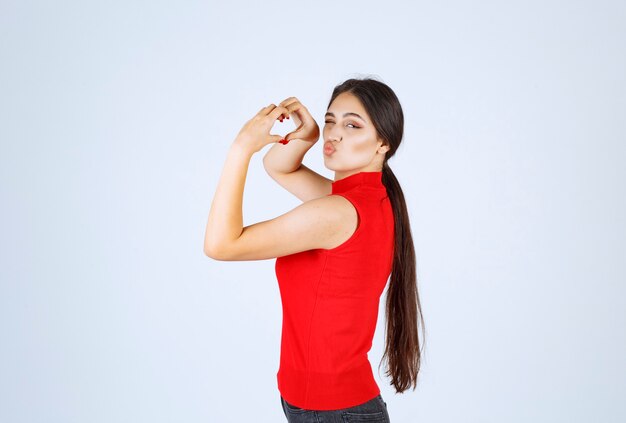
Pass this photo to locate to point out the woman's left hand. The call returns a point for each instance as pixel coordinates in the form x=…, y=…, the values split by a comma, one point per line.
x=255, y=133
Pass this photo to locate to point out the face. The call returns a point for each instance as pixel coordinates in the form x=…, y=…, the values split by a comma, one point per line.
x=354, y=138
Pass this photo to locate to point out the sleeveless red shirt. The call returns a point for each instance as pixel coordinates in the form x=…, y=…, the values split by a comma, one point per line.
x=330, y=301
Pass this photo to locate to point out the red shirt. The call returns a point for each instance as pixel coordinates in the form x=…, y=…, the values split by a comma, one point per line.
x=330, y=301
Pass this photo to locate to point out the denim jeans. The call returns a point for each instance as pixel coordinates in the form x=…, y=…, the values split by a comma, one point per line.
x=372, y=411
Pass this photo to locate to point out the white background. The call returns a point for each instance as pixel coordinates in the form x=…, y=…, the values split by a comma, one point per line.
x=115, y=120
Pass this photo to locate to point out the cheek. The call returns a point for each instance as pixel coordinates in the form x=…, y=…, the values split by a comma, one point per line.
x=362, y=144
x=357, y=152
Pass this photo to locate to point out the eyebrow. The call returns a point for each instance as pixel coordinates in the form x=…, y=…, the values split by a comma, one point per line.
x=346, y=114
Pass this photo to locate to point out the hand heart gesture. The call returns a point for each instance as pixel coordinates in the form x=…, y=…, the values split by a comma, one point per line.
x=307, y=129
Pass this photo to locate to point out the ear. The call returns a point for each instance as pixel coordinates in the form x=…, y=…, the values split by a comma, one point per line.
x=383, y=148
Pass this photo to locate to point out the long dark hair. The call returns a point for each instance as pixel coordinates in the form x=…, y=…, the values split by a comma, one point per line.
x=402, y=344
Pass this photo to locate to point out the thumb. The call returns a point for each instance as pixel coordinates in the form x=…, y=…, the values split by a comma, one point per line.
x=276, y=138
x=295, y=134
x=292, y=135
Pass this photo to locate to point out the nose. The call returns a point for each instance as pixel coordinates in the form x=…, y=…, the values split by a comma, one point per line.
x=333, y=135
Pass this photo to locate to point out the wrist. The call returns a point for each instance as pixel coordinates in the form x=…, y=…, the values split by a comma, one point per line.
x=241, y=147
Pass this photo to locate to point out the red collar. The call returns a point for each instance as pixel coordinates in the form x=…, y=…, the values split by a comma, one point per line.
x=370, y=179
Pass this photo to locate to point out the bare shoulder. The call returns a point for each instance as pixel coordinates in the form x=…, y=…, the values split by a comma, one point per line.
x=336, y=205
x=332, y=217
x=345, y=218
x=332, y=209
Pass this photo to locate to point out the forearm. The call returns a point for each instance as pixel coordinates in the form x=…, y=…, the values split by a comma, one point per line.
x=286, y=158
x=225, y=222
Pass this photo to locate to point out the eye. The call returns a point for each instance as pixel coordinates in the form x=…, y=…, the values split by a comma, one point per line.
x=350, y=123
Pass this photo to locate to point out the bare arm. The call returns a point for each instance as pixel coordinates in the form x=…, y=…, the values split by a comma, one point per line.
x=315, y=224
x=225, y=222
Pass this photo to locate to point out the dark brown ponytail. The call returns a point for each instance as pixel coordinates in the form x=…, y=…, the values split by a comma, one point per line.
x=402, y=345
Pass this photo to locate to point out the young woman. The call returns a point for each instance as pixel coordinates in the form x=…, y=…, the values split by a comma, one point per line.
x=334, y=252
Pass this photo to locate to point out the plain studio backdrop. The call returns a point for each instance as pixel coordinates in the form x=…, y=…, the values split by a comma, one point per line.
x=115, y=120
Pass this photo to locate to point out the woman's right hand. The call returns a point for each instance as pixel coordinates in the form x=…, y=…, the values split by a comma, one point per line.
x=306, y=127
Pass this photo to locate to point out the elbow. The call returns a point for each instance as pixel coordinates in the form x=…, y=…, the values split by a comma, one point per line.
x=211, y=253
x=209, y=250
x=214, y=253
x=211, y=247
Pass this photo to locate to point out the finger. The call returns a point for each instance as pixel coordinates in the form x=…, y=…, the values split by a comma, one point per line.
x=295, y=134
x=278, y=110
x=291, y=103
x=267, y=109
x=292, y=135
x=299, y=109
x=277, y=138
x=287, y=101
x=284, y=115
